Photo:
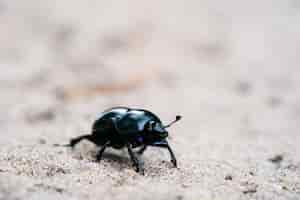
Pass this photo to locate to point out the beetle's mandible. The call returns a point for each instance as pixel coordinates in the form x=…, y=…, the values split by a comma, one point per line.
x=121, y=127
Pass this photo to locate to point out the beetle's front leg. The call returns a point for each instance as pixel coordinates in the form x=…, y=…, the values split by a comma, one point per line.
x=76, y=140
x=99, y=154
x=165, y=144
x=136, y=163
x=141, y=150
x=173, y=158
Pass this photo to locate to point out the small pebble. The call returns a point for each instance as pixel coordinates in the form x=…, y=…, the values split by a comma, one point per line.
x=274, y=101
x=284, y=188
x=276, y=159
x=179, y=197
x=228, y=178
x=42, y=141
x=243, y=88
x=249, y=188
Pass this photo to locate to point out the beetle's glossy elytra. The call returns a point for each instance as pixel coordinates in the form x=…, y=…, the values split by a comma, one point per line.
x=121, y=127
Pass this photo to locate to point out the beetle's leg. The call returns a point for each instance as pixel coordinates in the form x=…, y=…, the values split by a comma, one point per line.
x=173, y=158
x=99, y=154
x=164, y=144
x=74, y=141
x=141, y=150
x=136, y=163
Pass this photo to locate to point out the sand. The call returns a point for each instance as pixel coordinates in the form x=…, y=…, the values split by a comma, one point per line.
x=231, y=69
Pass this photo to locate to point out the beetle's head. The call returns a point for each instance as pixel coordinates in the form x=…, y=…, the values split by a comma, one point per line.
x=156, y=131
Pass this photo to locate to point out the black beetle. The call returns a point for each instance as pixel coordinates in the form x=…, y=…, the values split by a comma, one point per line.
x=121, y=127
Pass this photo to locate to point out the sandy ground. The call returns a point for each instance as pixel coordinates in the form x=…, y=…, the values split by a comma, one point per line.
x=230, y=68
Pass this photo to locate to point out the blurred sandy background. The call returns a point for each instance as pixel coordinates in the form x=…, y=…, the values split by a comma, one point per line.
x=230, y=68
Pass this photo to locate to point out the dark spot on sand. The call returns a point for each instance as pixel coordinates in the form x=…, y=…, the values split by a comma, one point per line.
x=3, y=7
x=284, y=188
x=292, y=166
x=251, y=173
x=179, y=197
x=277, y=159
x=54, y=170
x=63, y=34
x=243, y=88
x=3, y=170
x=46, y=115
x=274, y=101
x=42, y=141
x=228, y=178
x=49, y=187
x=249, y=188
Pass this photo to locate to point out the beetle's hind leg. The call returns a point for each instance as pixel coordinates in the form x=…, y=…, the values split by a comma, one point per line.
x=76, y=140
x=136, y=162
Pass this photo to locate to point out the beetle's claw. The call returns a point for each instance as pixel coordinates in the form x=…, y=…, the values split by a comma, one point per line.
x=139, y=169
x=174, y=162
x=142, y=172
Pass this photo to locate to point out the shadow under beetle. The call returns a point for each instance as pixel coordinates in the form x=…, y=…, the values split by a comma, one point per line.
x=121, y=127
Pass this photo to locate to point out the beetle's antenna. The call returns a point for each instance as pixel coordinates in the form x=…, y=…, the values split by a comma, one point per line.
x=178, y=117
